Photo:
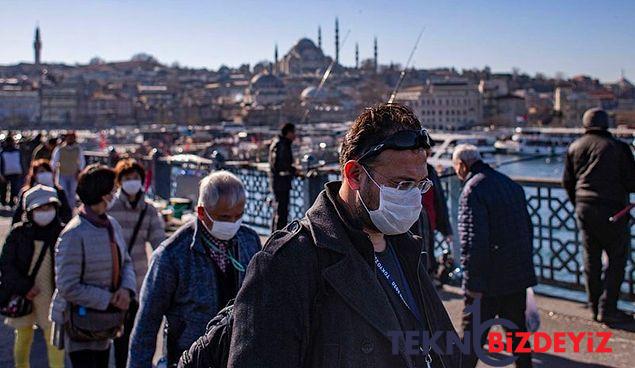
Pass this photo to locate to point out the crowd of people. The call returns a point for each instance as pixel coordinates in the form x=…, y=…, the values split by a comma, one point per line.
x=87, y=259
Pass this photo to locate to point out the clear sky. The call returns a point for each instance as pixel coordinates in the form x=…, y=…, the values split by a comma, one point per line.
x=571, y=36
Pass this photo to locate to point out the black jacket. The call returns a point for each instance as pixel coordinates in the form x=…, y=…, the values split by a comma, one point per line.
x=599, y=169
x=281, y=164
x=281, y=321
x=496, y=234
x=17, y=255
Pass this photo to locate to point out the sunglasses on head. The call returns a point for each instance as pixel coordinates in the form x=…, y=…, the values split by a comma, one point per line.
x=400, y=141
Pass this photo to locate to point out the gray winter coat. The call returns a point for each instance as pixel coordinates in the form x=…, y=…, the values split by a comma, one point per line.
x=82, y=242
x=151, y=230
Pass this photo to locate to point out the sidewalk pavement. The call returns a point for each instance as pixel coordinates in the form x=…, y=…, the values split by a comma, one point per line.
x=556, y=315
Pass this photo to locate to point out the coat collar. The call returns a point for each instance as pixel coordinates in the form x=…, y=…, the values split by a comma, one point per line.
x=354, y=276
x=123, y=198
x=476, y=168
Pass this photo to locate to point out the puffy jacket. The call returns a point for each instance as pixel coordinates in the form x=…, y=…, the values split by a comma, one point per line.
x=151, y=230
x=496, y=234
x=599, y=169
x=81, y=242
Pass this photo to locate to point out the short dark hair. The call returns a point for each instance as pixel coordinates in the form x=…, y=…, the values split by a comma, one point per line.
x=94, y=182
x=374, y=125
x=287, y=128
x=127, y=166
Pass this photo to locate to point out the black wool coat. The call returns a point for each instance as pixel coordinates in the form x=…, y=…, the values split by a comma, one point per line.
x=312, y=298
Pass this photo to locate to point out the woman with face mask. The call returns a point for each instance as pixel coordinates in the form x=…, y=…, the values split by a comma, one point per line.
x=94, y=274
x=141, y=224
x=26, y=269
x=41, y=172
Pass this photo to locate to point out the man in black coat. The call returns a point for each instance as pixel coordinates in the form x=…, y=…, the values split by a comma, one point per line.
x=496, y=246
x=281, y=174
x=341, y=286
x=598, y=176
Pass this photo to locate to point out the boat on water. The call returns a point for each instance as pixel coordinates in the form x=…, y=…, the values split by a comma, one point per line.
x=446, y=142
x=550, y=141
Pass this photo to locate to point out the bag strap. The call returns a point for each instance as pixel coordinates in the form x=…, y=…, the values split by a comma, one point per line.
x=39, y=261
x=137, y=226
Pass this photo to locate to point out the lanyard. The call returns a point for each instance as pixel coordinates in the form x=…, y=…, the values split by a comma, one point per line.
x=393, y=284
x=390, y=280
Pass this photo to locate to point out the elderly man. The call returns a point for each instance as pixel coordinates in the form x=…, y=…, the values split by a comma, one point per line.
x=195, y=272
x=598, y=176
x=342, y=286
x=496, y=246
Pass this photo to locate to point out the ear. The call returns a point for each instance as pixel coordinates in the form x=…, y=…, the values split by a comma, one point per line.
x=352, y=171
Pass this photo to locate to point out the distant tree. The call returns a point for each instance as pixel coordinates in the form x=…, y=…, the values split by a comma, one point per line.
x=142, y=56
x=96, y=61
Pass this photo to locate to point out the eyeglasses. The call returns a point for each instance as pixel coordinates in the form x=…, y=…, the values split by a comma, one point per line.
x=401, y=140
x=424, y=185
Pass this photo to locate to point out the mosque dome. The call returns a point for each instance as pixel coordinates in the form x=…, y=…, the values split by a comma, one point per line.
x=265, y=80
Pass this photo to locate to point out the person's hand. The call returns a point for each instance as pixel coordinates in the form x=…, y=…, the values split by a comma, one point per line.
x=32, y=293
x=449, y=239
x=121, y=299
x=473, y=294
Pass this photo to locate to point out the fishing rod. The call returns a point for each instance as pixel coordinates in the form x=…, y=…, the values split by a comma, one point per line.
x=623, y=212
x=325, y=76
x=403, y=72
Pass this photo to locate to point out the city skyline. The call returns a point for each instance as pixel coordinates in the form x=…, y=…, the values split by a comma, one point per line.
x=568, y=37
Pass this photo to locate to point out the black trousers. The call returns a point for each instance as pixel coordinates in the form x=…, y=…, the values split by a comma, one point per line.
x=90, y=358
x=599, y=234
x=281, y=216
x=121, y=343
x=4, y=186
x=511, y=307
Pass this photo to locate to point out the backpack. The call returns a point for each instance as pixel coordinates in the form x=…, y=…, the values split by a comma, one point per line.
x=212, y=349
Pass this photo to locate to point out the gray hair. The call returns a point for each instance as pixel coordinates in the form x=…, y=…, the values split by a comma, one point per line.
x=466, y=153
x=220, y=184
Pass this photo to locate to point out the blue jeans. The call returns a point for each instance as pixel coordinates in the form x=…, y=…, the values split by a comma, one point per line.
x=69, y=184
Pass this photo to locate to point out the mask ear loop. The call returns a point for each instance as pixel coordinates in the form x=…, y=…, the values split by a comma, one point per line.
x=374, y=182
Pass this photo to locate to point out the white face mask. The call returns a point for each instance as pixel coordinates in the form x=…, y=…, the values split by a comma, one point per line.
x=44, y=218
x=398, y=209
x=223, y=230
x=45, y=178
x=131, y=187
x=110, y=203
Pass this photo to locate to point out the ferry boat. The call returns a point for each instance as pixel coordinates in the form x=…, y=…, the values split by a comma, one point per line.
x=550, y=141
x=446, y=142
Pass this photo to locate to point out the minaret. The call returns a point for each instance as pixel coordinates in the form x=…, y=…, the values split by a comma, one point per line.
x=375, y=55
x=356, y=55
x=337, y=41
x=320, y=37
x=37, y=45
x=275, y=59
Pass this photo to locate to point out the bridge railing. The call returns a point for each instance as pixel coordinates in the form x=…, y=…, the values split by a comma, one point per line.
x=558, y=251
